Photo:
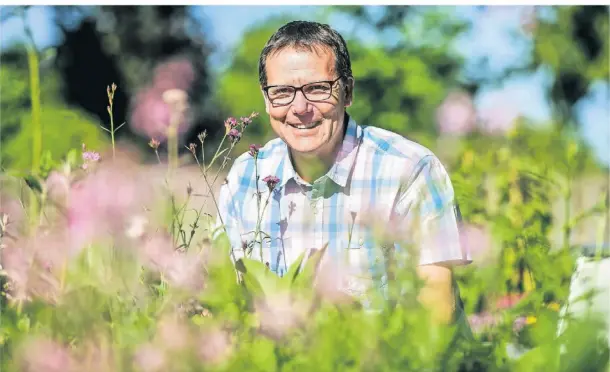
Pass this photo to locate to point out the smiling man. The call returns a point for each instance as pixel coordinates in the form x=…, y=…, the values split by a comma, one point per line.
x=333, y=179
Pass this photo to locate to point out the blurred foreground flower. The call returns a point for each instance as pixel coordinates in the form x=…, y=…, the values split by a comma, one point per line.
x=166, y=100
x=477, y=241
x=215, y=346
x=103, y=203
x=46, y=355
x=279, y=314
x=457, y=114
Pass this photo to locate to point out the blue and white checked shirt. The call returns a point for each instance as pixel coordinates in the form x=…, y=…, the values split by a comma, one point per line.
x=378, y=176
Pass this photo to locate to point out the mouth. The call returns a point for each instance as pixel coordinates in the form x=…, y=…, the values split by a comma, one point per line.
x=305, y=126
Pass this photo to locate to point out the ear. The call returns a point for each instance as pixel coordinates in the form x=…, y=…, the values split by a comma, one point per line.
x=267, y=104
x=349, y=91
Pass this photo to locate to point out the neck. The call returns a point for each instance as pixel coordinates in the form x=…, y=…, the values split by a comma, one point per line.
x=310, y=167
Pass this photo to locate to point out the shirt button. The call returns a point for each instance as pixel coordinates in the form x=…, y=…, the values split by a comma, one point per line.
x=361, y=242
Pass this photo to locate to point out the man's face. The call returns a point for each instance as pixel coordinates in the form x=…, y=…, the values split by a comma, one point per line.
x=308, y=128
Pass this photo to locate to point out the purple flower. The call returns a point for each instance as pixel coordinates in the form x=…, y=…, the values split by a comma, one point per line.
x=254, y=150
x=231, y=122
x=246, y=120
x=234, y=135
x=271, y=181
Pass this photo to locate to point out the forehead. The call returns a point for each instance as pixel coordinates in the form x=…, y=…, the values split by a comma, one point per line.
x=292, y=65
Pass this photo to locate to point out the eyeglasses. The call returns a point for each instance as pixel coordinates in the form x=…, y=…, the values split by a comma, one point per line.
x=282, y=95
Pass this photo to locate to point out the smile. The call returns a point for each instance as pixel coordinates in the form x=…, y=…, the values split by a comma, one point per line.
x=305, y=126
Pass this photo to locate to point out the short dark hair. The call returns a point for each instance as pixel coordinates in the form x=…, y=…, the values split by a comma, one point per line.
x=307, y=35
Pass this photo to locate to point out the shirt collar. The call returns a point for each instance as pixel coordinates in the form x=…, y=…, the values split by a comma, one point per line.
x=343, y=165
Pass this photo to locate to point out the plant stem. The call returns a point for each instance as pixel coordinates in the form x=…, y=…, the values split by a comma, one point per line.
x=111, y=128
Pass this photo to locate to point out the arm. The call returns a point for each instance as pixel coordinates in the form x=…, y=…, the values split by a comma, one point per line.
x=427, y=207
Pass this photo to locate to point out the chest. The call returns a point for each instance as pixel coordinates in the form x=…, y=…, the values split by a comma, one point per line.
x=294, y=218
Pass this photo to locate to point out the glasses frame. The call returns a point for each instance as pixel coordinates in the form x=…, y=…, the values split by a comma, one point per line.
x=300, y=88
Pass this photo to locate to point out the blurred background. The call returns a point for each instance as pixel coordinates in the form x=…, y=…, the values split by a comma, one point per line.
x=433, y=74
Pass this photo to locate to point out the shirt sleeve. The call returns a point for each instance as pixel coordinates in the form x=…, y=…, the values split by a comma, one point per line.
x=427, y=209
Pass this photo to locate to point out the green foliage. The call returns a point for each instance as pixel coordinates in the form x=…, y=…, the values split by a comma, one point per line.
x=63, y=127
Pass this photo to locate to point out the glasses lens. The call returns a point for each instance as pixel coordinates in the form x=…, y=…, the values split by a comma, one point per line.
x=281, y=95
x=317, y=91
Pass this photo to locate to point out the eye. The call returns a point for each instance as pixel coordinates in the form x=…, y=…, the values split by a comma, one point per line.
x=318, y=88
x=278, y=91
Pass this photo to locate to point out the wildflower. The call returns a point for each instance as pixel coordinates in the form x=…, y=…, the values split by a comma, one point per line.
x=173, y=333
x=104, y=201
x=519, y=323
x=477, y=240
x=192, y=147
x=57, y=187
x=215, y=346
x=457, y=114
x=271, y=182
x=246, y=120
x=149, y=358
x=89, y=157
x=254, y=150
x=234, y=135
x=154, y=144
x=279, y=314
x=178, y=73
x=153, y=110
x=231, y=122
x=508, y=301
x=202, y=136
x=483, y=321
x=44, y=354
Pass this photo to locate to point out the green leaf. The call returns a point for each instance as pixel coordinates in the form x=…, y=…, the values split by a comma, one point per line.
x=258, y=276
x=308, y=274
x=295, y=268
x=33, y=182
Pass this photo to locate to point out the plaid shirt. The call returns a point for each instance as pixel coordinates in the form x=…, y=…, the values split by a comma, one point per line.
x=378, y=177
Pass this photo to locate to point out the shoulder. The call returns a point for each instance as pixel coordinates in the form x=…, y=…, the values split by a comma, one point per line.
x=398, y=152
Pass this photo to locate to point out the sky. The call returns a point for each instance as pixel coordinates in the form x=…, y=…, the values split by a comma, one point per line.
x=490, y=38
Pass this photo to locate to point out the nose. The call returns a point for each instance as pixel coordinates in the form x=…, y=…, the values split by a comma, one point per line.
x=300, y=103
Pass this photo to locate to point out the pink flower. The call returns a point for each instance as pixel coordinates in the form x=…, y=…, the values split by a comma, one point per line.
x=254, y=150
x=215, y=347
x=182, y=269
x=150, y=115
x=58, y=187
x=89, y=157
x=178, y=73
x=234, y=135
x=32, y=265
x=149, y=358
x=13, y=216
x=173, y=333
x=46, y=355
x=279, y=314
x=105, y=201
x=498, y=120
x=231, y=122
x=508, y=301
x=271, y=181
x=332, y=282
x=483, y=321
x=457, y=114
x=477, y=240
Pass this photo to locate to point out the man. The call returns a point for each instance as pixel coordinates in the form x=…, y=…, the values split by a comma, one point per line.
x=326, y=177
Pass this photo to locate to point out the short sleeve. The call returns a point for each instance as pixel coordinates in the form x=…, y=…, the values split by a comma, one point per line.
x=427, y=210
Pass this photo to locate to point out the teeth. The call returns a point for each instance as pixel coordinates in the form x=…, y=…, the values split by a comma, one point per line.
x=305, y=126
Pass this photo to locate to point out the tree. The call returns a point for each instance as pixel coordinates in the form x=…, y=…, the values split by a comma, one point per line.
x=398, y=86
